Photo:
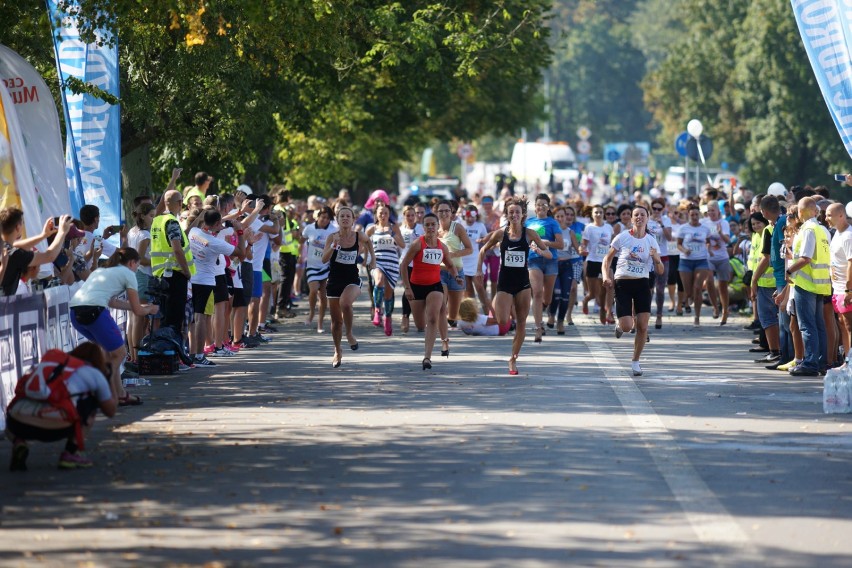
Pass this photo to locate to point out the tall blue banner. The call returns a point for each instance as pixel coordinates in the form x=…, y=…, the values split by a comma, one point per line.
x=93, y=126
x=825, y=29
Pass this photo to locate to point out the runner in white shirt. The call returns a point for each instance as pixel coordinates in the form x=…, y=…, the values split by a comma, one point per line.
x=633, y=250
x=316, y=271
x=477, y=233
x=674, y=282
x=660, y=227
x=720, y=262
x=597, y=237
x=694, y=265
x=841, y=270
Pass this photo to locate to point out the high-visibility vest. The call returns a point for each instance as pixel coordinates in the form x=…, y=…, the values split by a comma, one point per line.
x=290, y=244
x=768, y=278
x=754, y=252
x=162, y=256
x=815, y=276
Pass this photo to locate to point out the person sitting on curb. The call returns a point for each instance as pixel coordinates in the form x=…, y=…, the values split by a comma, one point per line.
x=58, y=400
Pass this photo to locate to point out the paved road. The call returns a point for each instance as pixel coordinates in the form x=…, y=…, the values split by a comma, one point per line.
x=276, y=459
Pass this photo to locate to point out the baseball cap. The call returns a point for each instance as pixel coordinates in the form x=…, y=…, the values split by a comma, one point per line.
x=777, y=189
x=245, y=189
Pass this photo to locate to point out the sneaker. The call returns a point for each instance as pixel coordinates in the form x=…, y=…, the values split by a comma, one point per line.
x=245, y=343
x=637, y=370
x=231, y=347
x=208, y=349
x=770, y=358
x=203, y=361
x=76, y=460
x=377, y=321
x=184, y=368
x=388, y=326
x=267, y=329
x=618, y=332
x=221, y=352
x=787, y=366
x=19, y=457
x=272, y=319
x=259, y=338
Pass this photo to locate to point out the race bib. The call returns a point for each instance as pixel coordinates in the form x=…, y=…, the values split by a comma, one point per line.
x=695, y=246
x=601, y=250
x=636, y=267
x=316, y=253
x=347, y=256
x=384, y=243
x=515, y=259
x=433, y=256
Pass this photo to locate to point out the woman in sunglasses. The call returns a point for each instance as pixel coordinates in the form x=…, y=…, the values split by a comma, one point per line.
x=660, y=226
x=597, y=237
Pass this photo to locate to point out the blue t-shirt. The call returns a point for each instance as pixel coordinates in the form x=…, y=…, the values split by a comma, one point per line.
x=547, y=229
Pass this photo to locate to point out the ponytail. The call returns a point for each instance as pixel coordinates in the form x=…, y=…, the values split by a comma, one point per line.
x=122, y=256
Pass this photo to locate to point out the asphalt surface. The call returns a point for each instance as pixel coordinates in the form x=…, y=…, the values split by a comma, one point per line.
x=273, y=458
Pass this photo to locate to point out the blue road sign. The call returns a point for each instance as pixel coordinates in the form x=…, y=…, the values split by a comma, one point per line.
x=613, y=156
x=680, y=143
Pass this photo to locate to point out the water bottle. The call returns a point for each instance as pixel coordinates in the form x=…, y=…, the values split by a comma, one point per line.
x=140, y=382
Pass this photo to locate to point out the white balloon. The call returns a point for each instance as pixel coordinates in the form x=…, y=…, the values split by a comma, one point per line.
x=695, y=128
x=777, y=189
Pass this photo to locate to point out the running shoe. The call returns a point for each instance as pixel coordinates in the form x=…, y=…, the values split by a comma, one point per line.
x=208, y=349
x=787, y=366
x=201, y=360
x=184, y=368
x=259, y=338
x=221, y=352
x=74, y=460
x=19, y=457
x=377, y=321
x=231, y=347
x=245, y=343
x=637, y=370
x=770, y=358
x=618, y=332
x=267, y=329
x=388, y=326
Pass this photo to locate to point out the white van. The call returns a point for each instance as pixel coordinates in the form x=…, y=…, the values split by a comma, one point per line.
x=537, y=163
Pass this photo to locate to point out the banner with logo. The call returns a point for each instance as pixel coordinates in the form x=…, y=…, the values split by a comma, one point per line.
x=824, y=26
x=39, y=123
x=93, y=141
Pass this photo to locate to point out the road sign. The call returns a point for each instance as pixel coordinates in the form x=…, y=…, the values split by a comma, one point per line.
x=584, y=147
x=680, y=143
x=583, y=133
x=706, y=147
x=465, y=151
x=613, y=156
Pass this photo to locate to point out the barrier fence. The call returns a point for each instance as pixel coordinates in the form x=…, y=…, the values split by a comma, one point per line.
x=29, y=326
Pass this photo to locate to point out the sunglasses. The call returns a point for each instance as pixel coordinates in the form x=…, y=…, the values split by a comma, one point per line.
x=657, y=208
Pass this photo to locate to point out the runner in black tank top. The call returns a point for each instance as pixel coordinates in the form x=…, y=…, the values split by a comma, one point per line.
x=343, y=270
x=514, y=276
x=513, y=285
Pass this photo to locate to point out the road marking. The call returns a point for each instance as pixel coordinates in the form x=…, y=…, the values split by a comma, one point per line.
x=708, y=517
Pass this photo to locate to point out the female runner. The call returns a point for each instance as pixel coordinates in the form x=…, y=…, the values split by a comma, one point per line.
x=424, y=288
x=597, y=237
x=694, y=265
x=675, y=284
x=513, y=284
x=387, y=242
x=720, y=263
x=632, y=294
x=661, y=228
x=623, y=224
x=411, y=230
x=454, y=236
x=570, y=268
x=543, y=269
x=316, y=271
x=344, y=283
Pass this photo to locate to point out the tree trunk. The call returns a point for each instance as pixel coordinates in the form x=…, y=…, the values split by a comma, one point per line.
x=136, y=176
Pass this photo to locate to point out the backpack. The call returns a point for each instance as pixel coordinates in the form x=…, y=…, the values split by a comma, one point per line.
x=47, y=382
x=162, y=340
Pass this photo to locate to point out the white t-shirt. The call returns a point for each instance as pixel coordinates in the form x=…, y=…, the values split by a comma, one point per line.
x=718, y=250
x=258, y=249
x=672, y=244
x=135, y=236
x=475, y=232
x=86, y=245
x=633, y=254
x=695, y=240
x=841, y=253
x=599, y=239
x=315, y=239
x=658, y=229
x=479, y=327
x=206, y=249
x=103, y=285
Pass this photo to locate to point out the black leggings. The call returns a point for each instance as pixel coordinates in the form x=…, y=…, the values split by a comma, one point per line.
x=175, y=305
x=288, y=275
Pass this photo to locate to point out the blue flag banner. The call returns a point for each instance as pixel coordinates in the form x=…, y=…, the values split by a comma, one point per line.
x=93, y=133
x=825, y=29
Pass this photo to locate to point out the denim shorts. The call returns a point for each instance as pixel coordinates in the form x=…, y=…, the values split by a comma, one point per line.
x=450, y=282
x=548, y=266
x=689, y=265
x=767, y=311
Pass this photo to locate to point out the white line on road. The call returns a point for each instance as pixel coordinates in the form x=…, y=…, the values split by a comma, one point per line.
x=708, y=517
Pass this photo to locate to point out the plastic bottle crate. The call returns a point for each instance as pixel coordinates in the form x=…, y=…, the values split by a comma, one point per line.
x=165, y=363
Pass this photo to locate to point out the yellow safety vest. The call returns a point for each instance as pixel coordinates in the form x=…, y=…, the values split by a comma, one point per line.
x=290, y=244
x=768, y=278
x=815, y=276
x=754, y=253
x=162, y=255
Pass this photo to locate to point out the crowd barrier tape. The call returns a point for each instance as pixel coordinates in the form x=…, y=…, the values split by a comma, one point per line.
x=29, y=326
